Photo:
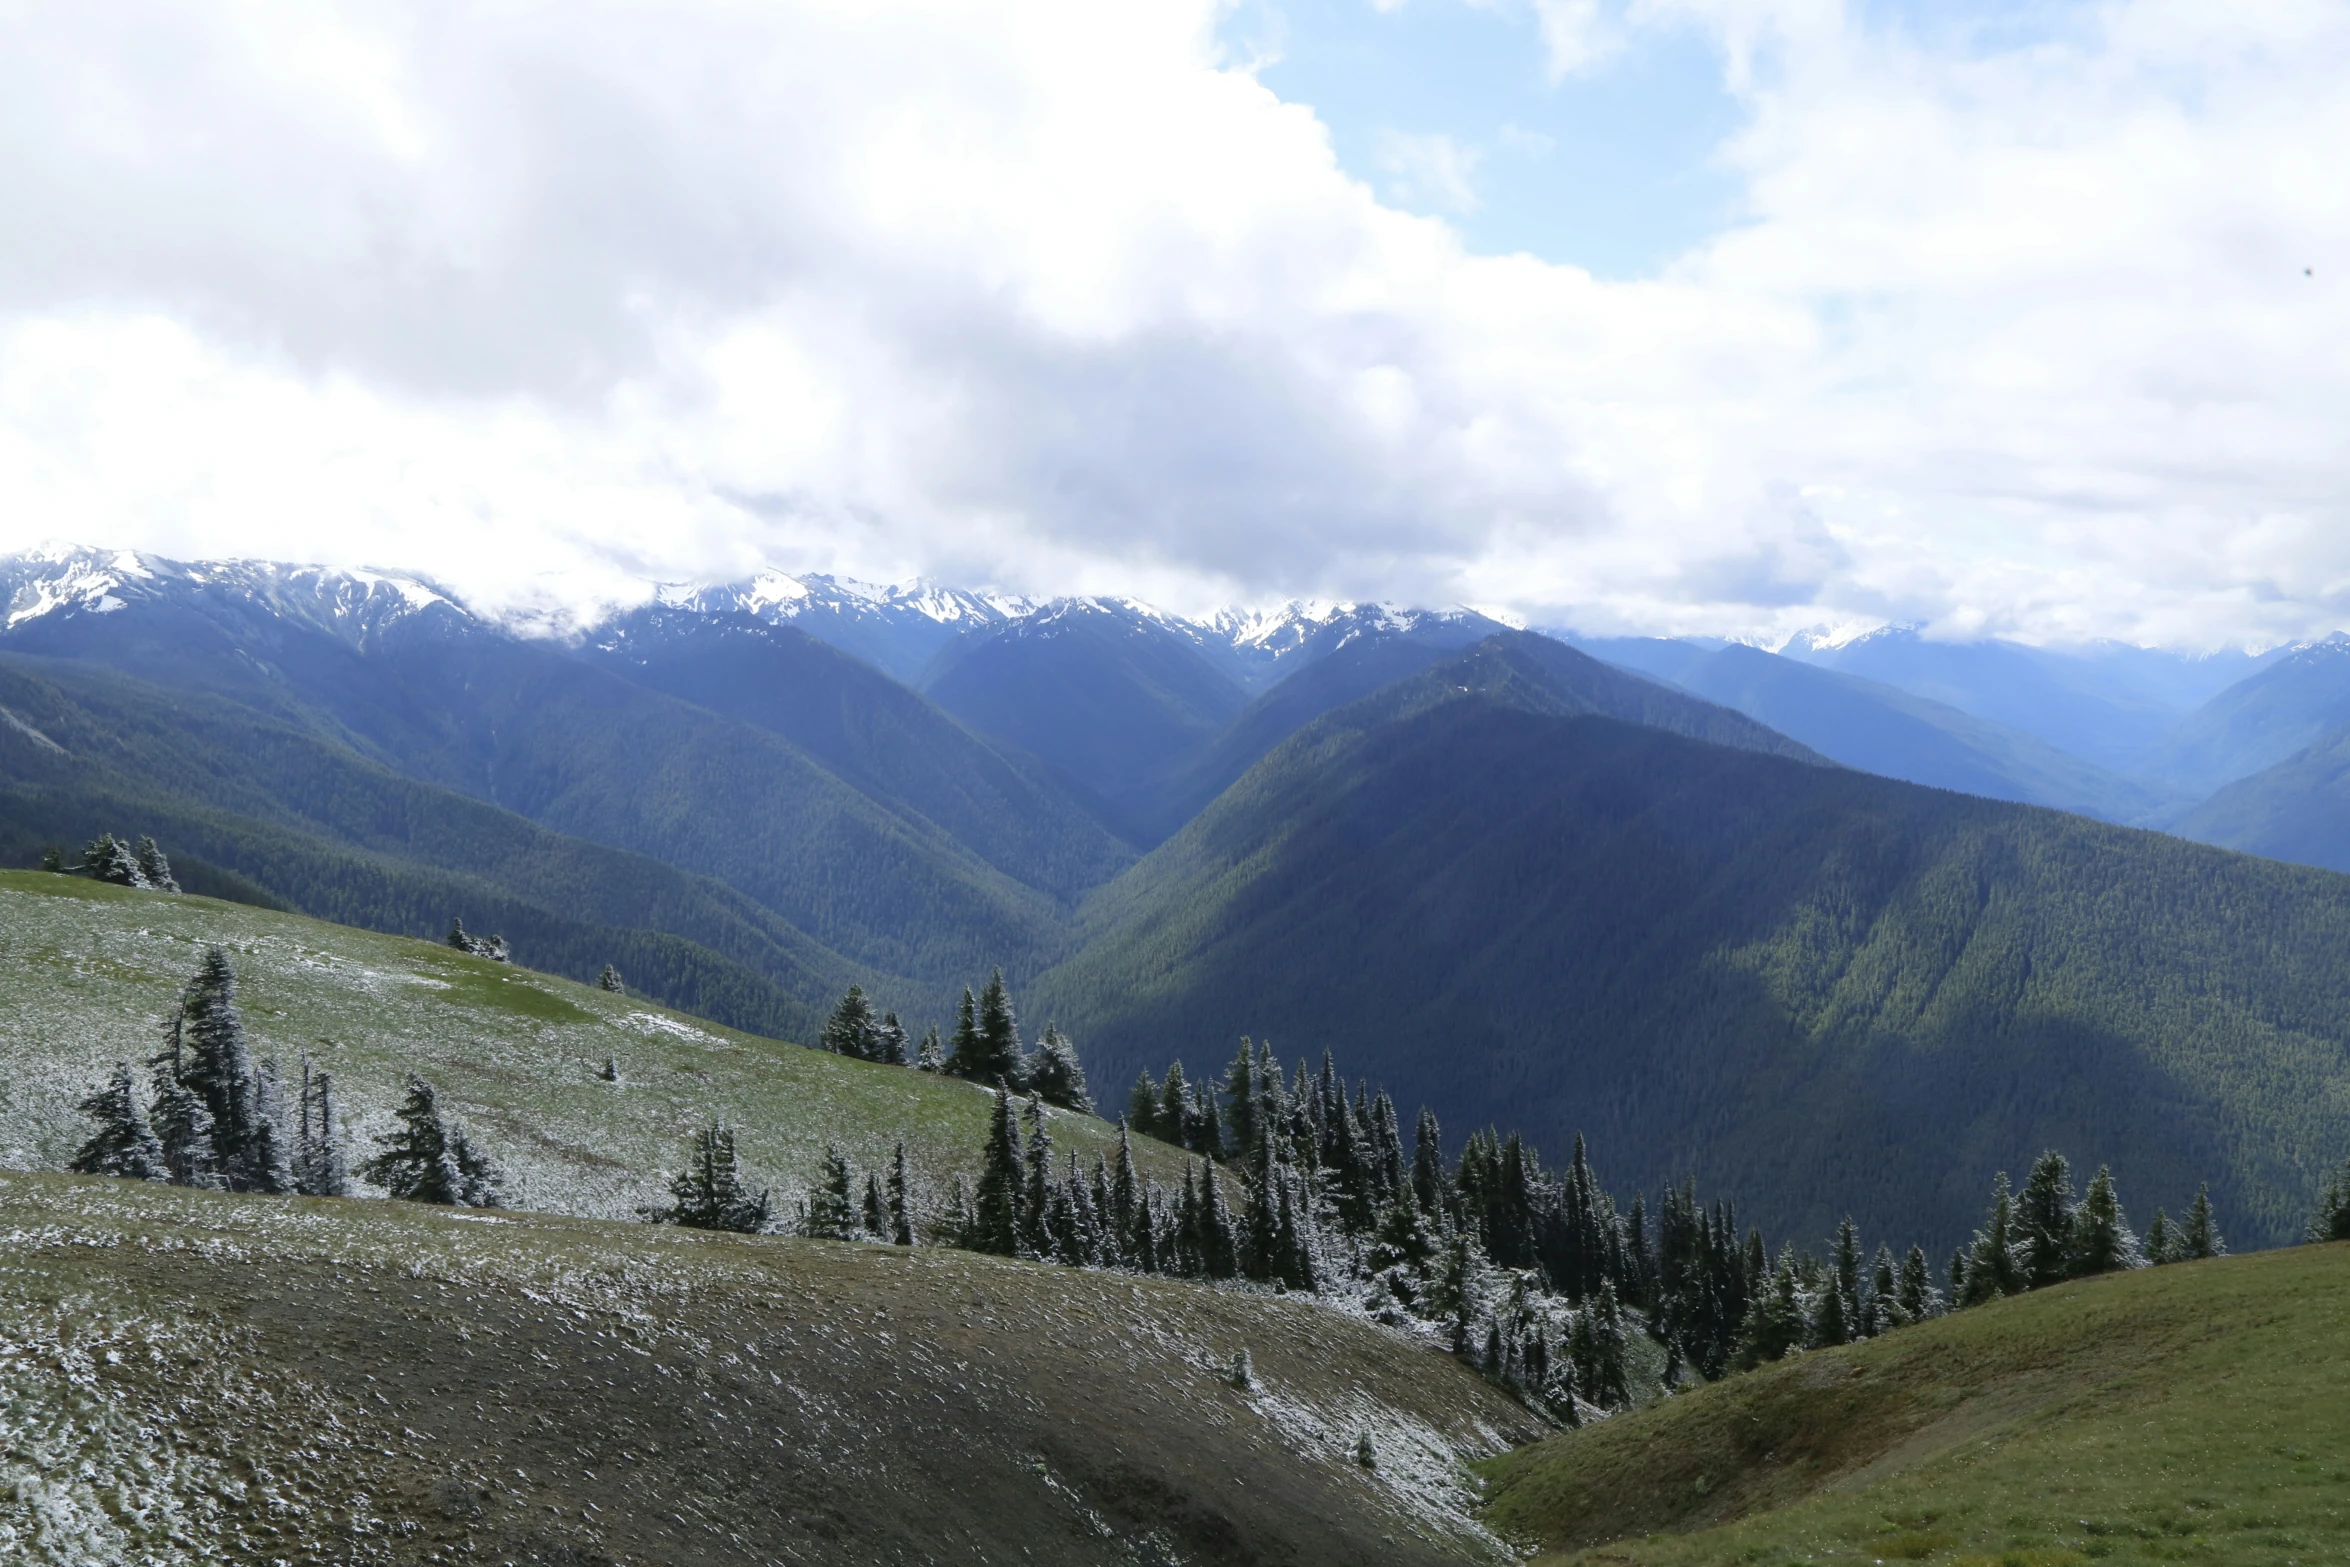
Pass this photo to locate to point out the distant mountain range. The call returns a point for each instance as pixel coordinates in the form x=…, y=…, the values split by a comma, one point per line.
x=1642, y=888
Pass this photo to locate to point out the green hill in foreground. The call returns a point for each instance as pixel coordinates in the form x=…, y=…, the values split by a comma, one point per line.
x=2197, y=1412
x=89, y=972
x=195, y=1377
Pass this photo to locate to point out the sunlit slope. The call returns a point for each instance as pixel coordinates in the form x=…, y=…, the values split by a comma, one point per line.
x=88, y=973
x=192, y=1377
x=2198, y=1412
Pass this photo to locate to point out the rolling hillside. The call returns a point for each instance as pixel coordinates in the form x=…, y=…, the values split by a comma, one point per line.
x=89, y=973
x=1814, y=989
x=2197, y=1412
x=195, y=1377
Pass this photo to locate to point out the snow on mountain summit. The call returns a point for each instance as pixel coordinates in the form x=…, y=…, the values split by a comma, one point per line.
x=67, y=579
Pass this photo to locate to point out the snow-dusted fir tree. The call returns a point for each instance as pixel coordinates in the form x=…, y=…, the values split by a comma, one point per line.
x=183, y=1124
x=850, y=1029
x=933, y=1057
x=154, y=869
x=107, y=858
x=249, y=1149
x=1992, y=1268
x=610, y=980
x=1056, y=1076
x=901, y=1200
x=2043, y=1223
x=322, y=1167
x=889, y=1040
x=429, y=1158
x=2200, y=1236
x=709, y=1194
x=832, y=1205
x=124, y=1143
x=997, y=1201
x=2102, y=1238
x=874, y=1221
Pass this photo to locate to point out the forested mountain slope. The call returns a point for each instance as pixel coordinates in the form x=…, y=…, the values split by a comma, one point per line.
x=1881, y=729
x=2262, y=721
x=1112, y=697
x=1801, y=983
x=2298, y=810
x=872, y=733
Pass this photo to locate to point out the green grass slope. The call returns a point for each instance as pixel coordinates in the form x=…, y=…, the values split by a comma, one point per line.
x=2199, y=1412
x=191, y=1377
x=1816, y=989
x=88, y=973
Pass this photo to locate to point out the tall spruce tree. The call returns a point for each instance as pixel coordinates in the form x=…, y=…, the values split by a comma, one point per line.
x=321, y=1165
x=428, y=1158
x=247, y=1148
x=1428, y=1183
x=889, y=1040
x=1919, y=1298
x=832, y=1202
x=123, y=1144
x=1142, y=1104
x=2102, y=1239
x=2200, y=1236
x=995, y=1218
x=1241, y=1096
x=2162, y=1239
x=999, y=1035
x=183, y=1124
x=1056, y=1074
x=874, y=1225
x=1035, y=1237
x=965, y=1054
x=933, y=1056
x=851, y=1030
x=2044, y=1222
x=1847, y=1280
x=901, y=1200
x=154, y=869
x=1991, y=1267
x=709, y=1194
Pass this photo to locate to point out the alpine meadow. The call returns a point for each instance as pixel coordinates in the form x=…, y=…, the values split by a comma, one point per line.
x=1207, y=783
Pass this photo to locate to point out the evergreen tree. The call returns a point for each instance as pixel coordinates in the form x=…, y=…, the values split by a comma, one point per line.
x=832, y=1202
x=1775, y=1321
x=108, y=859
x=1142, y=1104
x=321, y=1167
x=995, y=1220
x=2044, y=1222
x=901, y=1200
x=999, y=1036
x=1035, y=1236
x=852, y=1029
x=1240, y=1095
x=429, y=1159
x=1919, y=1298
x=1884, y=1313
x=124, y=1144
x=1992, y=1268
x=1847, y=1281
x=889, y=1040
x=1178, y=1117
x=876, y=1215
x=2162, y=1239
x=709, y=1194
x=2102, y=1239
x=1428, y=1183
x=1219, y=1247
x=52, y=859
x=154, y=869
x=1057, y=1076
x=1605, y=1384
x=182, y=1122
x=962, y=1217
x=247, y=1149
x=966, y=1058
x=1127, y=1217
x=2201, y=1237
x=610, y=980
x=1831, y=1322
x=933, y=1057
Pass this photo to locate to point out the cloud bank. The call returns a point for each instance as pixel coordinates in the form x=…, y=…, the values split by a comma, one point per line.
x=2013, y=336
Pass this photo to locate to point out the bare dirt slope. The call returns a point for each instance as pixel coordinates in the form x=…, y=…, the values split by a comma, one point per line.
x=192, y=1377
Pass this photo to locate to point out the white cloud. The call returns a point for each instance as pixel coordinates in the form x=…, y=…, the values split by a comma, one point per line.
x=1428, y=170
x=1577, y=36
x=547, y=299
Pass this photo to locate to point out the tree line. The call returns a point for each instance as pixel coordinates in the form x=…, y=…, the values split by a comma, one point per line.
x=985, y=1047
x=117, y=861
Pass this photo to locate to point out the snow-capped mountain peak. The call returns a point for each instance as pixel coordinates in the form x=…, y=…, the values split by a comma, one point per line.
x=63, y=579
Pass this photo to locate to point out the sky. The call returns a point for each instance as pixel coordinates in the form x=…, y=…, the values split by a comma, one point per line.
x=1669, y=316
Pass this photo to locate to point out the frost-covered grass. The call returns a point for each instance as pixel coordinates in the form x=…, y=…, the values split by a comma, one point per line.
x=2197, y=1413
x=88, y=973
x=196, y=1377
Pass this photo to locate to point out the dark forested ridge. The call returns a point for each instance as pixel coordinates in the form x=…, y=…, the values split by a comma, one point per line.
x=1793, y=980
